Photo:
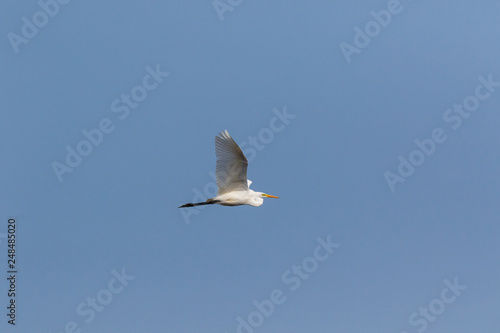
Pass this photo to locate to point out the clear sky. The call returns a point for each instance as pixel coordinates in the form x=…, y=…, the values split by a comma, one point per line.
x=376, y=123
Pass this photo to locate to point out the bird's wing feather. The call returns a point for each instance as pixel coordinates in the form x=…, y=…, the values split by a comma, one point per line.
x=231, y=168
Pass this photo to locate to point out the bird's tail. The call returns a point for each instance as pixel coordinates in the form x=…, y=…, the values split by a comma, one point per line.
x=208, y=202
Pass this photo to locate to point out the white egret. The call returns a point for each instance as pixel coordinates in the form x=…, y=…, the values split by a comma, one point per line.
x=231, y=175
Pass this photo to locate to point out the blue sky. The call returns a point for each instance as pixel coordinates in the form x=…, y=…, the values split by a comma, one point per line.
x=376, y=122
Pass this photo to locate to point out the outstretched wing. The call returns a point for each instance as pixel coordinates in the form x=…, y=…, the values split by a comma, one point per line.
x=231, y=168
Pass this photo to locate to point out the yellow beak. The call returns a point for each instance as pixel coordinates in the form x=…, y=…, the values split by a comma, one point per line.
x=270, y=196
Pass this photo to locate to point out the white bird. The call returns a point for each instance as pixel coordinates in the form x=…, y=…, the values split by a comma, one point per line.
x=231, y=175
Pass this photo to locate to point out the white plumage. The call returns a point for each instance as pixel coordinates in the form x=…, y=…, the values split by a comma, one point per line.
x=231, y=175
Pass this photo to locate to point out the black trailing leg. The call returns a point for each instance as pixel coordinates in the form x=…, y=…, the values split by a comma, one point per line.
x=208, y=202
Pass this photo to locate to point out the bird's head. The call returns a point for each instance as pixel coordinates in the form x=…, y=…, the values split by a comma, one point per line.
x=258, y=198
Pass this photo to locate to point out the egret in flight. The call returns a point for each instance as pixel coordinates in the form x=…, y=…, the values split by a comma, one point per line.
x=231, y=175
